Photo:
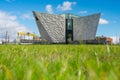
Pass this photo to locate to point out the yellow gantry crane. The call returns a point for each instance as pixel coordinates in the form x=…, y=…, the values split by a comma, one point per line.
x=20, y=34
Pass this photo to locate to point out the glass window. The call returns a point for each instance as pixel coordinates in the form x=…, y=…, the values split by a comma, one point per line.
x=69, y=24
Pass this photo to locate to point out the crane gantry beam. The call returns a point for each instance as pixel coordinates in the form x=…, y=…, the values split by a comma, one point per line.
x=27, y=34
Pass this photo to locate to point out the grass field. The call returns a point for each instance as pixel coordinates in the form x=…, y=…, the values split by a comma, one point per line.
x=59, y=62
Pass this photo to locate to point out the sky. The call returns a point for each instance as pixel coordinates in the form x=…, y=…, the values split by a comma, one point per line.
x=16, y=15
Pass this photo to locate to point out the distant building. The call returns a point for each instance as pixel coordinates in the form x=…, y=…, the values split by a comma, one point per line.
x=66, y=27
x=104, y=40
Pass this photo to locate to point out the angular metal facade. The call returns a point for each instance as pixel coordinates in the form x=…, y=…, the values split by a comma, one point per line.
x=85, y=27
x=53, y=27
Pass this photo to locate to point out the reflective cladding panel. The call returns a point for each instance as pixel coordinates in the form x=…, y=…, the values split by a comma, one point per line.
x=85, y=28
x=51, y=27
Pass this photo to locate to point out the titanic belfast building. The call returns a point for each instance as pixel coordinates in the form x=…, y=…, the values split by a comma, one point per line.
x=61, y=28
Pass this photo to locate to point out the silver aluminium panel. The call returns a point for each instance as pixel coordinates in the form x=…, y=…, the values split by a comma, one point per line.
x=84, y=28
x=51, y=27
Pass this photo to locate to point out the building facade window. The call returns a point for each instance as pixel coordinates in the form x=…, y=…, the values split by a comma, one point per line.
x=69, y=30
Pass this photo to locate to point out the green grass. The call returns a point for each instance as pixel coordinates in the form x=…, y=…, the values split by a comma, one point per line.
x=59, y=62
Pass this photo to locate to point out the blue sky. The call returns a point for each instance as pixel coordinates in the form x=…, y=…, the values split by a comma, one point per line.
x=16, y=15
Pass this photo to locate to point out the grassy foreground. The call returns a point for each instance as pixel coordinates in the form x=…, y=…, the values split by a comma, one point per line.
x=59, y=62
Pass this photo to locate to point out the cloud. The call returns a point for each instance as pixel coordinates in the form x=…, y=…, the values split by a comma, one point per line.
x=103, y=21
x=66, y=6
x=116, y=39
x=27, y=16
x=83, y=12
x=10, y=23
x=49, y=8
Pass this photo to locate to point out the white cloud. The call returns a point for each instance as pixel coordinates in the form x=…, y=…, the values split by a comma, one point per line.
x=49, y=8
x=103, y=21
x=66, y=6
x=27, y=16
x=83, y=12
x=9, y=23
x=116, y=39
